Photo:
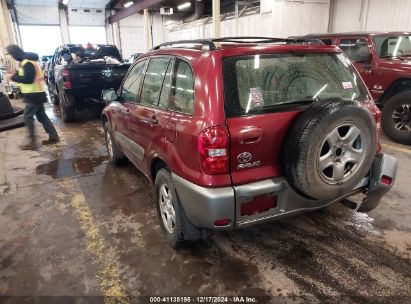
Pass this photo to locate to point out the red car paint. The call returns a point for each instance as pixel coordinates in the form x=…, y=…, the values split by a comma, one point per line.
x=174, y=139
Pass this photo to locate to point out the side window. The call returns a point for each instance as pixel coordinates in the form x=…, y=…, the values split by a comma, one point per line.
x=131, y=86
x=153, y=81
x=354, y=46
x=184, y=88
x=327, y=41
x=166, y=90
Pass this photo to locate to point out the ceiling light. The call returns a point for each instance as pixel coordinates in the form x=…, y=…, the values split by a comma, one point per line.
x=65, y=2
x=128, y=4
x=184, y=5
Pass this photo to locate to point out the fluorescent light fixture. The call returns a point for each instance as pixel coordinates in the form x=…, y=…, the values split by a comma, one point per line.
x=184, y=5
x=128, y=4
x=65, y=2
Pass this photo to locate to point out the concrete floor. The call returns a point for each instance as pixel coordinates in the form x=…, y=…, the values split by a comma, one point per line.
x=73, y=225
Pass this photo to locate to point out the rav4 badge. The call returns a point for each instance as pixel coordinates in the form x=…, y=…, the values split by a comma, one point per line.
x=244, y=161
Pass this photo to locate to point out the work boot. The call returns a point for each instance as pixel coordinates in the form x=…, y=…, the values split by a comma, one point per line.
x=51, y=141
x=31, y=145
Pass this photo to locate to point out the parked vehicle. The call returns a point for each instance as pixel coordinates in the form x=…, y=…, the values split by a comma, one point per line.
x=234, y=133
x=79, y=73
x=384, y=62
x=132, y=57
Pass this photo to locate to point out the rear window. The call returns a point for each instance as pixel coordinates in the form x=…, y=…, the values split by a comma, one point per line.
x=269, y=83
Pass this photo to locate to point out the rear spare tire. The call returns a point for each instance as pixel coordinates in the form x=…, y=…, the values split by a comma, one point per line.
x=329, y=149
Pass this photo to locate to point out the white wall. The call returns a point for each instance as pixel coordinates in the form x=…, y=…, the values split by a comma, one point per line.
x=277, y=18
x=371, y=15
x=131, y=33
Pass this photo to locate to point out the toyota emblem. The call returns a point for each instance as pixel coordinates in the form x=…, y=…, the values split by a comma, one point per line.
x=244, y=157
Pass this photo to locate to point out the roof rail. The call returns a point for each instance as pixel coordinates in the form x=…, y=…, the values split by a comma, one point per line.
x=207, y=44
x=210, y=44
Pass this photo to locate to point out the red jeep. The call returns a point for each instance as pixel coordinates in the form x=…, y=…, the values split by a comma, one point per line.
x=384, y=62
x=235, y=131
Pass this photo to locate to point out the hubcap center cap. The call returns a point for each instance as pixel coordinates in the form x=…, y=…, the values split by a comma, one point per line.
x=338, y=151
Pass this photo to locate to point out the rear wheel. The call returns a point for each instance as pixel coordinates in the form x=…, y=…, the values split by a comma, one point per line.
x=396, y=118
x=173, y=221
x=330, y=149
x=68, y=111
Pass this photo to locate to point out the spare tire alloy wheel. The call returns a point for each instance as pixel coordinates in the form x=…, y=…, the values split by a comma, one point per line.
x=341, y=153
x=329, y=149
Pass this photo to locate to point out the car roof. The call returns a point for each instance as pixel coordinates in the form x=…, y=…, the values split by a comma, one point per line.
x=197, y=48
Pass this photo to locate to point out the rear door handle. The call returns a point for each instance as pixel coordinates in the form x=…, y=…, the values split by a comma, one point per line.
x=250, y=135
x=151, y=121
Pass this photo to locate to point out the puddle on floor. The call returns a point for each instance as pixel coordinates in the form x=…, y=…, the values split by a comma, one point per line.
x=63, y=168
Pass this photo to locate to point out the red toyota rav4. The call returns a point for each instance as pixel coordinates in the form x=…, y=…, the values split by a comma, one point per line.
x=235, y=132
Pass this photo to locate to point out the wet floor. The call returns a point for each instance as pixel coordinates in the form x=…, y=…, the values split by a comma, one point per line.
x=71, y=224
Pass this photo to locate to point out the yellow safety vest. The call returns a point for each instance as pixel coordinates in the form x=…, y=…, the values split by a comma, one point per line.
x=38, y=85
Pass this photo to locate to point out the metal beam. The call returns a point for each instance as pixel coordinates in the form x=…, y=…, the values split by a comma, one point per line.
x=135, y=8
x=216, y=18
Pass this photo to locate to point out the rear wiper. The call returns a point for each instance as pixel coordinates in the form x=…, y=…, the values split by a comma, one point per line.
x=305, y=100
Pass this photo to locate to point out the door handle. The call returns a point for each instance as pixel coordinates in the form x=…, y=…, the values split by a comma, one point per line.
x=250, y=135
x=151, y=121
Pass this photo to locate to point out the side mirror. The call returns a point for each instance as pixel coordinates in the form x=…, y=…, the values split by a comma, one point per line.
x=362, y=58
x=109, y=95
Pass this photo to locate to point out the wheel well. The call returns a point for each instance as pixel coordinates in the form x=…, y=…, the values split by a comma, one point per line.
x=398, y=86
x=156, y=165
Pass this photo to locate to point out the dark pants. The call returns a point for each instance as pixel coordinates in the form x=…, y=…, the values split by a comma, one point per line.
x=39, y=111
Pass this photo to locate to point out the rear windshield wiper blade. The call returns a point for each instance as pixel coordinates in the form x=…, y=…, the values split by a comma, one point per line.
x=305, y=100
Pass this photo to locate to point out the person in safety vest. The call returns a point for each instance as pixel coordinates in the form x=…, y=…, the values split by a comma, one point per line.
x=33, y=87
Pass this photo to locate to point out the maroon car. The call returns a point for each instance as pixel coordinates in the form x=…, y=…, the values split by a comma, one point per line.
x=234, y=132
x=384, y=62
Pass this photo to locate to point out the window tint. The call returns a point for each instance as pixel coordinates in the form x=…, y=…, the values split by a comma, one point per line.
x=184, y=88
x=166, y=90
x=353, y=47
x=132, y=83
x=268, y=83
x=153, y=81
x=327, y=41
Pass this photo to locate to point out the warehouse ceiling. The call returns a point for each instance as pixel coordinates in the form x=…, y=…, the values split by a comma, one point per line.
x=72, y=3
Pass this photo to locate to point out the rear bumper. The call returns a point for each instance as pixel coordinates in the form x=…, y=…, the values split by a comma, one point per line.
x=204, y=206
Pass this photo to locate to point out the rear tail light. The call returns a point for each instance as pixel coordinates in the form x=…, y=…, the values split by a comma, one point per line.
x=66, y=79
x=386, y=180
x=213, y=150
x=259, y=204
x=222, y=222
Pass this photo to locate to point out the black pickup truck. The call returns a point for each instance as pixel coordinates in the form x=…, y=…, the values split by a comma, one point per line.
x=78, y=74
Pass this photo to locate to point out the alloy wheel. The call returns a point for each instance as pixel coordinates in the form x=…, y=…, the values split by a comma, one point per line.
x=341, y=153
x=401, y=118
x=167, y=211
